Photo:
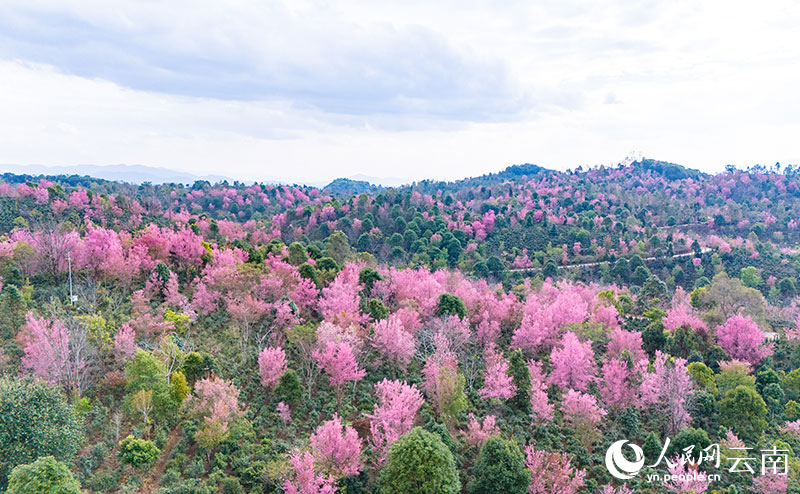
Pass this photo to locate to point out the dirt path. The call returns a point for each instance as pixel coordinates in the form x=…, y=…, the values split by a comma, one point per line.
x=152, y=483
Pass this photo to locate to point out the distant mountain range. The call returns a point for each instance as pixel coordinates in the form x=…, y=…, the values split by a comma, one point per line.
x=138, y=174
x=354, y=184
x=135, y=174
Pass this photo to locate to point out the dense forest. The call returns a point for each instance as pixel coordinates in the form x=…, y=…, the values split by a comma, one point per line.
x=496, y=334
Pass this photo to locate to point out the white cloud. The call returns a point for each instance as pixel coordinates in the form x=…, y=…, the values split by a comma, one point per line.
x=314, y=89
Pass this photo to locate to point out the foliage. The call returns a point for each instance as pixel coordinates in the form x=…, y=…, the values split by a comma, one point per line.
x=744, y=411
x=641, y=301
x=138, y=453
x=35, y=421
x=500, y=467
x=451, y=305
x=552, y=472
x=44, y=476
x=337, y=451
x=419, y=463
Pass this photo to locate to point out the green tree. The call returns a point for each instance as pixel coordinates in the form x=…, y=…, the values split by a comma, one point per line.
x=750, y=277
x=480, y=269
x=367, y=277
x=309, y=272
x=44, y=476
x=653, y=337
x=732, y=377
x=495, y=267
x=622, y=270
x=188, y=486
x=773, y=397
x=231, y=485
x=178, y=388
x=653, y=287
x=138, y=453
x=453, y=252
x=289, y=388
x=419, y=463
x=500, y=467
x=521, y=377
x=13, y=308
x=703, y=377
x=640, y=275
x=787, y=287
x=791, y=385
x=765, y=378
x=450, y=305
x=377, y=310
x=550, y=269
x=197, y=366
x=745, y=412
x=35, y=420
x=652, y=445
x=146, y=372
x=297, y=254
x=338, y=246
x=689, y=437
x=682, y=342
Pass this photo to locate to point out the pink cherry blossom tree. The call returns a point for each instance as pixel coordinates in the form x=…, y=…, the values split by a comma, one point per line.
x=686, y=483
x=771, y=483
x=583, y=414
x=393, y=341
x=56, y=351
x=666, y=389
x=622, y=340
x=552, y=472
x=284, y=412
x=541, y=408
x=441, y=375
x=46, y=348
x=340, y=299
x=478, y=432
x=271, y=365
x=337, y=450
x=497, y=382
x=617, y=388
x=304, y=479
x=124, y=344
x=532, y=334
x=339, y=362
x=573, y=363
x=742, y=339
x=683, y=315
x=216, y=402
x=394, y=415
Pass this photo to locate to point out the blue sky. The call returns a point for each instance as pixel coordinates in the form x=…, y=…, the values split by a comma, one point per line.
x=311, y=90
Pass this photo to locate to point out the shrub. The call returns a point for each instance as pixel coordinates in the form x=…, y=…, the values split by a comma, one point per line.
x=450, y=305
x=44, y=476
x=500, y=467
x=138, y=453
x=419, y=463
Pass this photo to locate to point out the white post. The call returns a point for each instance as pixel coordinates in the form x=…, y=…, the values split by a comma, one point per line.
x=69, y=265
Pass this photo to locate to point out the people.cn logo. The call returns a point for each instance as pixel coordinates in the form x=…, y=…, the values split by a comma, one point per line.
x=619, y=466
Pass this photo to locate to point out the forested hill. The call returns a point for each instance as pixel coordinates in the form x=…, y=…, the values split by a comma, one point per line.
x=512, y=327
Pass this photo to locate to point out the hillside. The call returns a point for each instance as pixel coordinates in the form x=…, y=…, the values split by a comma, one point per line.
x=272, y=338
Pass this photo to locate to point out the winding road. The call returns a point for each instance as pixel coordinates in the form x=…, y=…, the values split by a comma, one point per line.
x=703, y=250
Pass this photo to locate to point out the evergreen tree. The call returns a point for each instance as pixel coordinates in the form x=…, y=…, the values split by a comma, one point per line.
x=500, y=467
x=44, y=476
x=419, y=463
x=35, y=421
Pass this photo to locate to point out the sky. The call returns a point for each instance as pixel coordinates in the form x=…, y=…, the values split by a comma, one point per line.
x=313, y=90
